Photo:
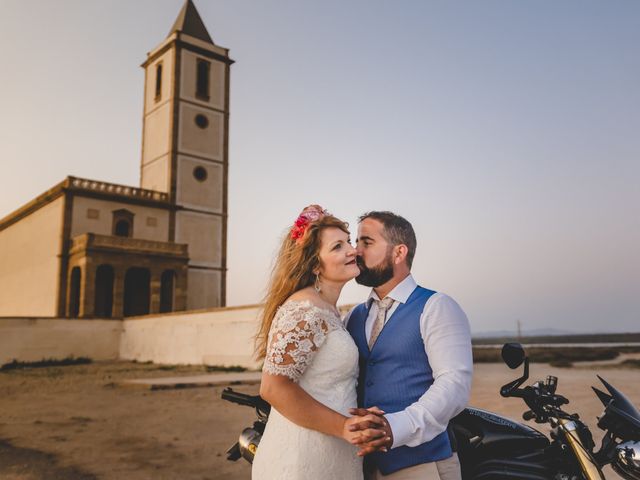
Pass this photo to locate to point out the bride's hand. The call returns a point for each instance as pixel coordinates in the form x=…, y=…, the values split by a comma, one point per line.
x=365, y=429
x=364, y=411
x=382, y=443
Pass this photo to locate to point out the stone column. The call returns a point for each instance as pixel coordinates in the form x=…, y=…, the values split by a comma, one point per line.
x=118, y=291
x=71, y=292
x=88, y=289
x=154, y=301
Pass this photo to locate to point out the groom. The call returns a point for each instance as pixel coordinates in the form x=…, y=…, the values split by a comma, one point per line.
x=415, y=356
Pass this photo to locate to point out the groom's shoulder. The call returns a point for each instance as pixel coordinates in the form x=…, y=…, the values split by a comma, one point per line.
x=354, y=308
x=424, y=292
x=435, y=297
x=422, y=288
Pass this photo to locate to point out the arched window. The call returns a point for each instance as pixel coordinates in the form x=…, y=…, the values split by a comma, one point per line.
x=122, y=223
x=202, y=80
x=104, y=291
x=136, y=291
x=122, y=228
x=74, y=293
x=158, y=82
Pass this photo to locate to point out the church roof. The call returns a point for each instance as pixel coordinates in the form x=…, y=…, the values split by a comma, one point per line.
x=189, y=22
x=90, y=188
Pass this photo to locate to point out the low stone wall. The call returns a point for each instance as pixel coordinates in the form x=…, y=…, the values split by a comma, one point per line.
x=221, y=336
x=34, y=339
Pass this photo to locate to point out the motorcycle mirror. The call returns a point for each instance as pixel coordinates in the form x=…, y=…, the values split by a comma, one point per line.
x=513, y=355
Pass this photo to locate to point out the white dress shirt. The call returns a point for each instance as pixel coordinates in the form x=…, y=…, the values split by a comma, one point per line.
x=447, y=342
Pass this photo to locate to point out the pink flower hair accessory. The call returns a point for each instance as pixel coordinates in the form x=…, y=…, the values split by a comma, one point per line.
x=312, y=213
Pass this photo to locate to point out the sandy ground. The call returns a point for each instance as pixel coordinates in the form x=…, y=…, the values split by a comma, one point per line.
x=76, y=423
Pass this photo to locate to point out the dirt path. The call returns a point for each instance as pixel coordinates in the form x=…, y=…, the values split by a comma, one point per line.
x=79, y=416
x=74, y=423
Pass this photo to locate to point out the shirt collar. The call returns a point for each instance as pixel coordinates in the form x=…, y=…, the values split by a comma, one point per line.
x=400, y=293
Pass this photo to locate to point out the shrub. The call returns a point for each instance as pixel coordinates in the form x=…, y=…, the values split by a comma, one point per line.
x=47, y=362
x=557, y=356
x=561, y=363
x=220, y=368
x=631, y=363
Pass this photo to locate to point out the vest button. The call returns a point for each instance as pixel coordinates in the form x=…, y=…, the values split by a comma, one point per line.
x=370, y=383
x=372, y=363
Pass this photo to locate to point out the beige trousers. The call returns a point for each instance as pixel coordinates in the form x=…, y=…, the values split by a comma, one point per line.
x=448, y=469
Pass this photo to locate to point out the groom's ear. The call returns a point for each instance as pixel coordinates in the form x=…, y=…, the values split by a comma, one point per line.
x=400, y=254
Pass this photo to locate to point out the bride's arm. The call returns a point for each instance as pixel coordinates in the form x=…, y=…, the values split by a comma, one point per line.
x=288, y=398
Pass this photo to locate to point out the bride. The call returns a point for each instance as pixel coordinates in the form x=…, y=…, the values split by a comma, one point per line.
x=310, y=361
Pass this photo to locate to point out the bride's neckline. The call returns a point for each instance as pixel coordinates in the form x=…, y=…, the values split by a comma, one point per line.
x=335, y=313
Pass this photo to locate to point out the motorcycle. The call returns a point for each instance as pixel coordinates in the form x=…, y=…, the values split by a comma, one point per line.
x=493, y=447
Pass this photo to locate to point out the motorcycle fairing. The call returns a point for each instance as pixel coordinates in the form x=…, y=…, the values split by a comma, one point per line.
x=620, y=416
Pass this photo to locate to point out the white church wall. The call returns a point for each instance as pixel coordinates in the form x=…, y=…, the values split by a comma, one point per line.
x=34, y=339
x=206, y=142
x=100, y=219
x=29, y=262
x=215, y=337
x=155, y=175
x=200, y=194
x=203, y=234
x=156, y=138
x=204, y=288
x=157, y=133
x=152, y=101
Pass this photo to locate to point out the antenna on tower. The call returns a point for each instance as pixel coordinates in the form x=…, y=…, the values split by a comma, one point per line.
x=519, y=330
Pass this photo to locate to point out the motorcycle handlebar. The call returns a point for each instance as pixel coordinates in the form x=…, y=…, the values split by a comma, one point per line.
x=239, y=398
x=255, y=401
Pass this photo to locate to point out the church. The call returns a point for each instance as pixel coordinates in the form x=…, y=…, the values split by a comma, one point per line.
x=92, y=249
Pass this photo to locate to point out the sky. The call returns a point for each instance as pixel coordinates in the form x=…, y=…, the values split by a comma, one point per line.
x=505, y=131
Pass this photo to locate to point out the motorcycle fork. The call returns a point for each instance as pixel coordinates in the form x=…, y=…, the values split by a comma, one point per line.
x=589, y=467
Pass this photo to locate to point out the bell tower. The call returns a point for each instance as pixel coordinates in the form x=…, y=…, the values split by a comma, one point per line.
x=185, y=148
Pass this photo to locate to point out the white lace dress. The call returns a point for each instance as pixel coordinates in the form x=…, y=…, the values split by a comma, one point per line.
x=310, y=346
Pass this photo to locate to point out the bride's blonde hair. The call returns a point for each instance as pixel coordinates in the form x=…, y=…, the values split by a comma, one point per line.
x=293, y=269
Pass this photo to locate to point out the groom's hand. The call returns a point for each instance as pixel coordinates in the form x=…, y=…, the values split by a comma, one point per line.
x=383, y=442
x=362, y=430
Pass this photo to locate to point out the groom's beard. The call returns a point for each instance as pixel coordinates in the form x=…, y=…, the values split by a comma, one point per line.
x=376, y=276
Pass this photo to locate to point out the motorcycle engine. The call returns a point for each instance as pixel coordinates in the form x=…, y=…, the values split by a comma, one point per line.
x=627, y=460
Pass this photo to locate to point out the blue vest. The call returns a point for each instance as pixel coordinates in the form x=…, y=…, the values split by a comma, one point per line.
x=396, y=373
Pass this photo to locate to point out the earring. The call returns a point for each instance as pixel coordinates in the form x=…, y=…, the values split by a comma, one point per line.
x=316, y=284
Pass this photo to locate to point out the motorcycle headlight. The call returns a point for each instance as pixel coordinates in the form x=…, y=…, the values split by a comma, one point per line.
x=627, y=460
x=248, y=441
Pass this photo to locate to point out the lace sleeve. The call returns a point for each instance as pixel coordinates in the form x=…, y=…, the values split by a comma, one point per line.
x=297, y=332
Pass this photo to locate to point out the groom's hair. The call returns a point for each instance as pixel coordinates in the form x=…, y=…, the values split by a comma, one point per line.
x=397, y=231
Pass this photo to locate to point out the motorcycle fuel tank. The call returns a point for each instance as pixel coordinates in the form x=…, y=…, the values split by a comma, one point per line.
x=487, y=433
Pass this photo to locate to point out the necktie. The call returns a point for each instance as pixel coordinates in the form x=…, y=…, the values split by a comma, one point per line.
x=383, y=306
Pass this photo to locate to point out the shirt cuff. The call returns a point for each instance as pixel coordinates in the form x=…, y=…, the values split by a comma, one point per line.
x=401, y=427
